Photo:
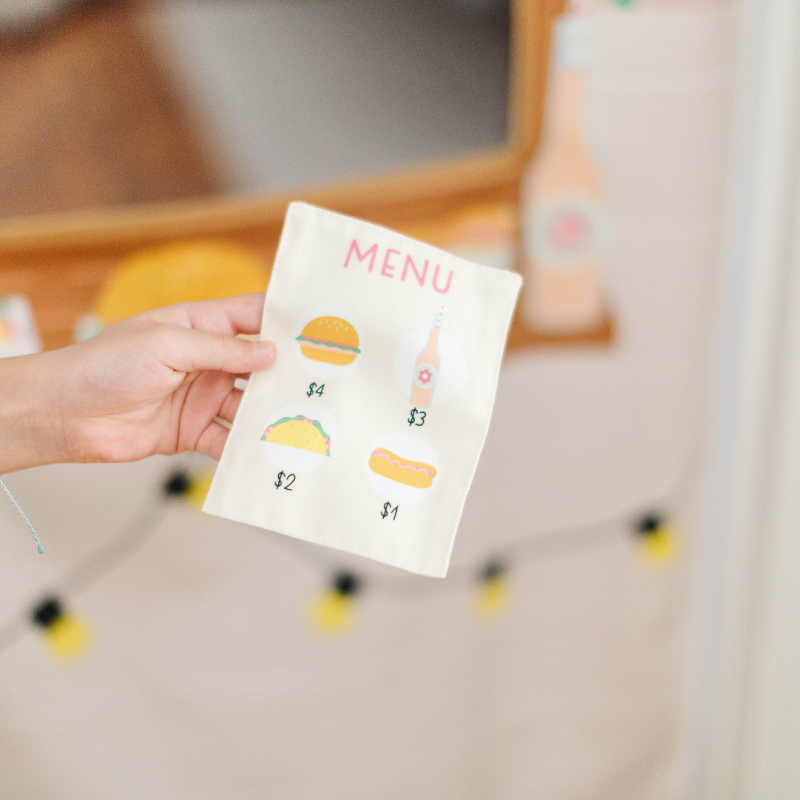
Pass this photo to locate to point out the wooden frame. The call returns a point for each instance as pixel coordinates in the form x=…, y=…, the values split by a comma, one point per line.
x=60, y=261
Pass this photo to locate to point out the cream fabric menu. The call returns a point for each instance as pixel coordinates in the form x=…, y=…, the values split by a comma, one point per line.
x=366, y=432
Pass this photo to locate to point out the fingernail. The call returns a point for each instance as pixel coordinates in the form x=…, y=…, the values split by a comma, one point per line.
x=263, y=348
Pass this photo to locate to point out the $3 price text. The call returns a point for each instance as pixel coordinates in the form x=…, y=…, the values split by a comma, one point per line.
x=417, y=417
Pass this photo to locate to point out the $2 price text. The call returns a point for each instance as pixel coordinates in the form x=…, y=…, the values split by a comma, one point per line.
x=285, y=480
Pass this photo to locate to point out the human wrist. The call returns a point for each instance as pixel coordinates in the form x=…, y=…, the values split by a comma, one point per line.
x=29, y=414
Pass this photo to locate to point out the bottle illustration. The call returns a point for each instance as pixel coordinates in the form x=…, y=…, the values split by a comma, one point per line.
x=426, y=370
x=562, y=196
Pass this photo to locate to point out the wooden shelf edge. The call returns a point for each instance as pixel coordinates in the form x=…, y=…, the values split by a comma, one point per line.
x=521, y=337
x=496, y=170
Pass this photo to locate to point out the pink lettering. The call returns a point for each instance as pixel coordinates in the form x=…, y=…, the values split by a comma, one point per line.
x=388, y=269
x=449, y=278
x=372, y=252
x=420, y=278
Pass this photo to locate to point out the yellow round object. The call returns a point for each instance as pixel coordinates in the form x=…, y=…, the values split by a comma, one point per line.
x=67, y=637
x=661, y=547
x=331, y=612
x=178, y=273
x=198, y=488
x=492, y=598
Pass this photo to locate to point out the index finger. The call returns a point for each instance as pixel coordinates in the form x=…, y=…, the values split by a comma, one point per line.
x=230, y=315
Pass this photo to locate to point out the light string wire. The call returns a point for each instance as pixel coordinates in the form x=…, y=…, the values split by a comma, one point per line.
x=86, y=574
x=550, y=542
x=23, y=515
x=541, y=544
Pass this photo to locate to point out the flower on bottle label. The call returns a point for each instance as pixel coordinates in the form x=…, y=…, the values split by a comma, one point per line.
x=569, y=230
x=425, y=376
x=565, y=231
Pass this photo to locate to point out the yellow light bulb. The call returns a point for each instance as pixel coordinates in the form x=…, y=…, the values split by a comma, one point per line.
x=68, y=637
x=198, y=488
x=331, y=612
x=492, y=597
x=660, y=547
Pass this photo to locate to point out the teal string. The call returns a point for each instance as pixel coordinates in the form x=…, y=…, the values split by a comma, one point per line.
x=22, y=514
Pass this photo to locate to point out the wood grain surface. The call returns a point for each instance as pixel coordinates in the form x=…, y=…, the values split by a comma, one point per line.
x=88, y=122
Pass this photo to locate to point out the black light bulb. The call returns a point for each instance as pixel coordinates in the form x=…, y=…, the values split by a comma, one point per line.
x=494, y=569
x=649, y=523
x=346, y=583
x=47, y=612
x=177, y=484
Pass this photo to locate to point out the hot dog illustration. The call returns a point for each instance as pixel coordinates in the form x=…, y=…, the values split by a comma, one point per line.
x=396, y=468
x=329, y=339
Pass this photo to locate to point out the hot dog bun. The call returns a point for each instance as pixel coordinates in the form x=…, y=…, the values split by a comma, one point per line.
x=412, y=473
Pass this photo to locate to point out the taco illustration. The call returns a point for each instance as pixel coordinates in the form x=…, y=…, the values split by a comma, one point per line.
x=300, y=432
x=329, y=339
x=396, y=468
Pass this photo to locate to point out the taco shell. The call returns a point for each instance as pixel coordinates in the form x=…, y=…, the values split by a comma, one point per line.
x=300, y=432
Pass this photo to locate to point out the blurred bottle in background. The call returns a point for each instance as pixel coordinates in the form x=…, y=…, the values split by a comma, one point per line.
x=563, y=221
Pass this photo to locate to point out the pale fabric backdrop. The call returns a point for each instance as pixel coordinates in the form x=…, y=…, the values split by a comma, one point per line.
x=205, y=682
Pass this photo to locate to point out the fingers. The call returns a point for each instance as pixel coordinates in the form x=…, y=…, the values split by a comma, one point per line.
x=188, y=350
x=243, y=313
x=210, y=403
x=230, y=405
x=212, y=440
x=230, y=315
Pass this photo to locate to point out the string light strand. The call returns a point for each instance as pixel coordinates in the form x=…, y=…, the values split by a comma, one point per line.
x=541, y=544
x=23, y=515
x=86, y=574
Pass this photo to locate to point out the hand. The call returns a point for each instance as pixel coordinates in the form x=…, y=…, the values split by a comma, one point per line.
x=154, y=383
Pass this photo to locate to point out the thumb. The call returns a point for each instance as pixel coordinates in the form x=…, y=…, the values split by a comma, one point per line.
x=190, y=350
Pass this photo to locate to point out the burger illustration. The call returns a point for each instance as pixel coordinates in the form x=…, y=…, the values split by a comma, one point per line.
x=300, y=432
x=396, y=468
x=329, y=339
